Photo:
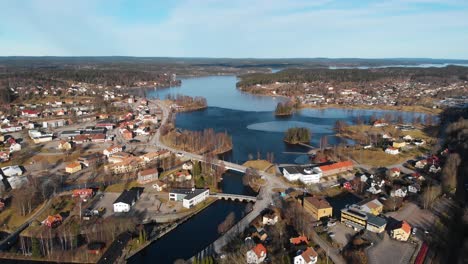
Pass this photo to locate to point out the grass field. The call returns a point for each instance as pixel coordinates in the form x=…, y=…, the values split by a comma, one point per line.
x=260, y=165
x=119, y=187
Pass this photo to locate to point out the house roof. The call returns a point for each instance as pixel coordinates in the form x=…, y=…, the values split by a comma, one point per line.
x=128, y=196
x=395, y=169
x=258, y=249
x=190, y=193
x=298, y=240
x=53, y=218
x=298, y=169
x=148, y=172
x=405, y=226
x=318, y=202
x=338, y=165
x=309, y=254
x=376, y=221
x=74, y=165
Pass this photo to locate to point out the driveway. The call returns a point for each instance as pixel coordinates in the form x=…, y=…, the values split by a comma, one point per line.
x=343, y=234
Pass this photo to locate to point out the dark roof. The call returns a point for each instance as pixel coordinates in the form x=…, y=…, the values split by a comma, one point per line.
x=375, y=220
x=190, y=193
x=298, y=169
x=129, y=196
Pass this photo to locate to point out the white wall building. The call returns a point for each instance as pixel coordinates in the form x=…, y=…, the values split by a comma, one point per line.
x=307, y=175
x=189, y=197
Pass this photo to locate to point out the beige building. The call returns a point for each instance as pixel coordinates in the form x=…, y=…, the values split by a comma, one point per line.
x=73, y=167
x=402, y=231
x=318, y=207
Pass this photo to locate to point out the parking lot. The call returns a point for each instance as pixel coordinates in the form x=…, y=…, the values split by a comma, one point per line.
x=414, y=215
x=343, y=234
x=107, y=201
x=390, y=251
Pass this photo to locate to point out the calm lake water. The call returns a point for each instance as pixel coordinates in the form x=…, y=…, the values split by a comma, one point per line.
x=249, y=119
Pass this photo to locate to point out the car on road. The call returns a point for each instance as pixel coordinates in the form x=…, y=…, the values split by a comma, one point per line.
x=331, y=223
x=134, y=141
x=331, y=234
x=179, y=154
x=415, y=230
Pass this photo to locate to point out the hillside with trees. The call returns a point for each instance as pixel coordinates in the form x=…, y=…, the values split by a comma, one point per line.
x=284, y=109
x=297, y=135
x=432, y=75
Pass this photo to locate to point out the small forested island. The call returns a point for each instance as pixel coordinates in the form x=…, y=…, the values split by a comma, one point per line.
x=184, y=103
x=297, y=135
x=284, y=109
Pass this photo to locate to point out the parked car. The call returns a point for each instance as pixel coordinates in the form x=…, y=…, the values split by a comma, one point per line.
x=331, y=223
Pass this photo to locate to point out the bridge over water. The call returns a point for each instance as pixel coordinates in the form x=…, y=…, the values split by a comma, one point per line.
x=234, y=197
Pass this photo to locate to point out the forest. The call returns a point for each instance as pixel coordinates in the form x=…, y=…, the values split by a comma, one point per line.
x=200, y=142
x=297, y=135
x=434, y=75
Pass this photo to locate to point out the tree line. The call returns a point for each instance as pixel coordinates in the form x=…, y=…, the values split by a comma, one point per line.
x=434, y=75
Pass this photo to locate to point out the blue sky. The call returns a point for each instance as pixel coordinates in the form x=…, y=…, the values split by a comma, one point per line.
x=235, y=28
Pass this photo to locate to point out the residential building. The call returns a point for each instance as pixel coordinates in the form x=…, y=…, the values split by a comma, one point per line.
x=270, y=218
x=13, y=170
x=54, y=123
x=399, y=144
x=83, y=193
x=299, y=240
x=376, y=224
x=146, y=176
x=189, y=197
x=91, y=160
x=401, y=231
x=307, y=175
x=53, y=220
x=73, y=167
x=399, y=192
x=374, y=207
x=309, y=256
x=318, y=207
x=392, y=151
x=30, y=113
x=127, y=199
x=15, y=147
x=394, y=172
x=257, y=254
x=336, y=168
x=159, y=185
x=108, y=152
x=354, y=218
x=64, y=145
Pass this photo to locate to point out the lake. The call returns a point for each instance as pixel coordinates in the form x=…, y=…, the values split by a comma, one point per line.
x=250, y=120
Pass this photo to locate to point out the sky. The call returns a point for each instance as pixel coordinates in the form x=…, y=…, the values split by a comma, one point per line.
x=236, y=28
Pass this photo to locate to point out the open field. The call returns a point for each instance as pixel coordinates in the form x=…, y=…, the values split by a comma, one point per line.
x=378, y=157
x=260, y=165
x=119, y=187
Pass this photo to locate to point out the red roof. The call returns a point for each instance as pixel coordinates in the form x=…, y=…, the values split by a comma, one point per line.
x=338, y=165
x=299, y=240
x=405, y=226
x=258, y=249
x=395, y=169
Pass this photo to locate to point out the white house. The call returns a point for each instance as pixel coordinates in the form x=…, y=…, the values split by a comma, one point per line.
x=392, y=151
x=189, y=197
x=126, y=200
x=270, y=218
x=11, y=171
x=309, y=256
x=256, y=255
x=112, y=150
x=400, y=192
x=307, y=175
x=15, y=147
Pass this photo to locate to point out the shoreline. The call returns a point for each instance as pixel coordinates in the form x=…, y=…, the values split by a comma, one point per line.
x=414, y=109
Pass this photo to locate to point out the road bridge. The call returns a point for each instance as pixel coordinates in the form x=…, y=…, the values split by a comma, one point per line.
x=234, y=197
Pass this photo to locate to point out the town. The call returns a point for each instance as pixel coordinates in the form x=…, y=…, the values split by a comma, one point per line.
x=103, y=169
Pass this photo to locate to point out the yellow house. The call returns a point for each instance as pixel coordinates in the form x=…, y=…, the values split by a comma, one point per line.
x=374, y=207
x=73, y=167
x=318, y=207
x=64, y=145
x=398, y=144
x=402, y=231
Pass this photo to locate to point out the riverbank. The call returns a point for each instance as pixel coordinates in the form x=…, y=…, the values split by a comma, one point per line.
x=403, y=108
x=199, y=208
